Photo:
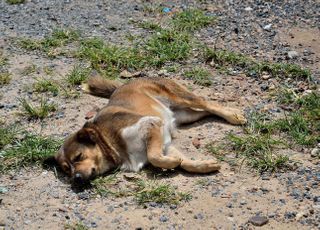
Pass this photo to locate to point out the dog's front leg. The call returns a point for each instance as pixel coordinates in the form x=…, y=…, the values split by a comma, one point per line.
x=155, y=150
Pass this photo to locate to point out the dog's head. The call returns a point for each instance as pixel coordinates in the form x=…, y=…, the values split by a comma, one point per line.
x=81, y=156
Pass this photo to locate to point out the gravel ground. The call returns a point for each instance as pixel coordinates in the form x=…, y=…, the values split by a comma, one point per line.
x=35, y=198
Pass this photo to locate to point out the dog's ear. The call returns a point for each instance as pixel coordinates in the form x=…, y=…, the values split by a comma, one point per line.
x=87, y=135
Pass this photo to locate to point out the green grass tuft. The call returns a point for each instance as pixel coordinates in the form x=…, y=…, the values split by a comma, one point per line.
x=149, y=25
x=191, y=20
x=13, y=2
x=224, y=58
x=37, y=112
x=78, y=75
x=110, y=59
x=50, y=43
x=258, y=151
x=31, y=150
x=167, y=45
x=76, y=226
x=8, y=135
x=5, y=78
x=200, y=76
x=45, y=85
x=162, y=193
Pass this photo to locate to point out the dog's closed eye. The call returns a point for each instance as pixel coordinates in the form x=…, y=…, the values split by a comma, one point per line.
x=78, y=158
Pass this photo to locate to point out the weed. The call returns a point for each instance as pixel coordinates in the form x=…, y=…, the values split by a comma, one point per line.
x=45, y=85
x=224, y=58
x=37, y=112
x=49, y=43
x=281, y=70
x=216, y=150
x=105, y=186
x=12, y=2
x=31, y=150
x=5, y=78
x=8, y=135
x=110, y=59
x=191, y=20
x=29, y=70
x=149, y=25
x=3, y=59
x=200, y=76
x=78, y=75
x=167, y=45
x=76, y=226
x=203, y=182
x=159, y=193
x=257, y=150
x=48, y=70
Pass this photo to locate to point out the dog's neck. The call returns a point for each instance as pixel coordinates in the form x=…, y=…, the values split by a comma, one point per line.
x=106, y=147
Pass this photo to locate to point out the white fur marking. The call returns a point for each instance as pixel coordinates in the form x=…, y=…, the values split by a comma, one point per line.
x=135, y=138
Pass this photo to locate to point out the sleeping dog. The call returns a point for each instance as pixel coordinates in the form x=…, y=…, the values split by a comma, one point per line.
x=136, y=127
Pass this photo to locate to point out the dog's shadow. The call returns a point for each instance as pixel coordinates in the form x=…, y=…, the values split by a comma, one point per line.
x=51, y=164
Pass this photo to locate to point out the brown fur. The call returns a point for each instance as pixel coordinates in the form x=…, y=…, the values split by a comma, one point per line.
x=139, y=111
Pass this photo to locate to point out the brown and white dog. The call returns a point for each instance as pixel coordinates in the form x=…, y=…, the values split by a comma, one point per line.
x=136, y=127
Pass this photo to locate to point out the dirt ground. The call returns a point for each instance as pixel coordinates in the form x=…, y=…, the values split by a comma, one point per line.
x=36, y=199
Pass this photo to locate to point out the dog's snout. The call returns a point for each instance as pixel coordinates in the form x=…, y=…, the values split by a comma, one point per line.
x=78, y=178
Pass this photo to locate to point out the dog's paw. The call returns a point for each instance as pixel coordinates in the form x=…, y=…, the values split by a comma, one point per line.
x=236, y=117
x=212, y=165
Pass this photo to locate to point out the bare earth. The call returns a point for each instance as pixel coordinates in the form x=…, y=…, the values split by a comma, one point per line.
x=37, y=199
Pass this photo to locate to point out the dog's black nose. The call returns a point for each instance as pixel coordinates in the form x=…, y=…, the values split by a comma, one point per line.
x=78, y=179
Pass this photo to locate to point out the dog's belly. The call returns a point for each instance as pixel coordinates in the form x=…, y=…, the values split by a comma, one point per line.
x=135, y=138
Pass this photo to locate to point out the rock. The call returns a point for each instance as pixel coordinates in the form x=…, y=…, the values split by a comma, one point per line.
x=265, y=77
x=290, y=215
x=3, y=190
x=300, y=215
x=243, y=202
x=258, y=220
x=264, y=87
x=267, y=27
x=163, y=218
x=196, y=142
x=127, y=74
x=315, y=152
x=293, y=54
x=248, y=8
x=198, y=216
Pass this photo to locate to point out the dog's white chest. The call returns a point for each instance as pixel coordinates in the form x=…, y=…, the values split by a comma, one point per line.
x=135, y=138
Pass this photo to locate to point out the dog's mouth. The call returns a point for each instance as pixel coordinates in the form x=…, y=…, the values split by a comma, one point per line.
x=81, y=179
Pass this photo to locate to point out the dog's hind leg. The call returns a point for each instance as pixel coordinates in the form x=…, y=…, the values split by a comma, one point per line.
x=193, y=107
x=155, y=149
x=194, y=166
x=100, y=87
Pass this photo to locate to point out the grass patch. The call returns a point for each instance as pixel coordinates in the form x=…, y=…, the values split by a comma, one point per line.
x=143, y=191
x=8, y=135
x=5, y=78
x=147, y=25
x=258, y=151
x=78, y=75
x=45, y=85
x=110, y=59
x=161, y=193
x=49, y=44
x=31, y=150
x=167, y=45
x=13, y=2
x=200, y=76
x=76, y=226
x=29, y=70
x=224, y=58
x=191, y=20
x=107, y=186
x=3, y=59
x=37, y=112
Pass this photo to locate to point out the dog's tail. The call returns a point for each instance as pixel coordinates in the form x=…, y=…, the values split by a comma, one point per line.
x=100, y=87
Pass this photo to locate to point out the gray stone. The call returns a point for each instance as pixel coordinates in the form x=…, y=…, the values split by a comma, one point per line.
x=258, y=220
x=293, y=54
